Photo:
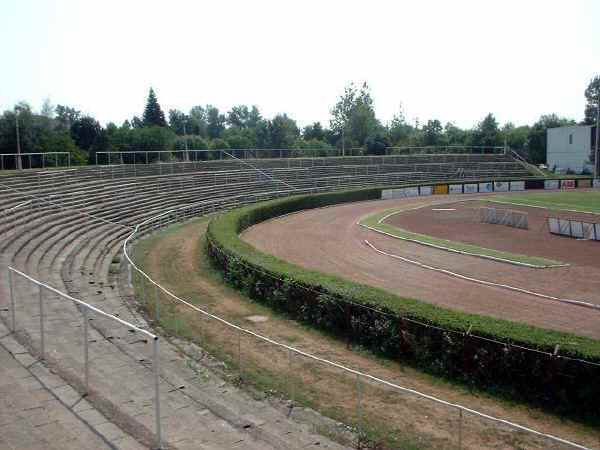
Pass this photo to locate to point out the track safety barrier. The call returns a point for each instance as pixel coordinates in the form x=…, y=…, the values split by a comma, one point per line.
x=574, y=228
x=147, y=284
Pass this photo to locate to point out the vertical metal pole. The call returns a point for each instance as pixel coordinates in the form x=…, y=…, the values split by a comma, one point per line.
x=156, y=393
x=596, y=154
x=41, y=298
x=358, y=407
x=12, y=302
x=291, y=387
x=18, y=165
x=85, y=349
x=240, y=352
x=142, y=294
x=460, y=422
x=156, y=304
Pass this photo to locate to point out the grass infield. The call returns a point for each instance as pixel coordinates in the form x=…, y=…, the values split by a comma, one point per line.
x=375, y=221
x=586, y=202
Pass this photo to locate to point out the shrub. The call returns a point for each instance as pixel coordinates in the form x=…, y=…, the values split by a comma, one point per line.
x=476, y=350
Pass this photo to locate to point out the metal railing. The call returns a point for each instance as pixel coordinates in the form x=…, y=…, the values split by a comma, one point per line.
x=196, y=155
x=86, y=309
x=40, y=159
x=164, y=219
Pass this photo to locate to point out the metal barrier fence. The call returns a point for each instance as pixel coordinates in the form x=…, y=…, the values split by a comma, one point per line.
x=446, y=149
x=86, y=310
x=40, y=160
x=193, y=155
x=500, y=216
x=362, y=379
x=574, y=228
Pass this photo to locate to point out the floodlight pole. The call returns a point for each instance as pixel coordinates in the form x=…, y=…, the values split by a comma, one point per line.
x=18, y=165
x=596, y=154
x=187, y=157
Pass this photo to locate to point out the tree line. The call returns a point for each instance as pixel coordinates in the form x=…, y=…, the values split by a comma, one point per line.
x=353, y=124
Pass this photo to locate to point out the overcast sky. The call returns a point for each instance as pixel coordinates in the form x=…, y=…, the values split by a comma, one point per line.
x=450, y=60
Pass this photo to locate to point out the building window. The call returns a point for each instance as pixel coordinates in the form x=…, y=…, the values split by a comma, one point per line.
x=571, y=139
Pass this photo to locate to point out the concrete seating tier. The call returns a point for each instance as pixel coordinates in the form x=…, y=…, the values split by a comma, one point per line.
x=73, y=225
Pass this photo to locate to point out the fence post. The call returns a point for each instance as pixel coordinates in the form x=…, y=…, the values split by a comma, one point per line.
x=358, y=408
x=156, y=305
x=240, y=352
x=85, y=350
x=156, y=392
x=291, y=387
x=12, y=302
x=142, y=293
x=460, y=422
x=41, y=298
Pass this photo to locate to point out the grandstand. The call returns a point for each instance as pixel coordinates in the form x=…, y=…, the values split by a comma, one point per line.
x=65, y=227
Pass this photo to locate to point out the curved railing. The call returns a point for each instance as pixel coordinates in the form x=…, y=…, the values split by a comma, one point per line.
x=201, y=208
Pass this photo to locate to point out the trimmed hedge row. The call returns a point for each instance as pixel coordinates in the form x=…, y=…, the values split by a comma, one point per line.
x=476, y=350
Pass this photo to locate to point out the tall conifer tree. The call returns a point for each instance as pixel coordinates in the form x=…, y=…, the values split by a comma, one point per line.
x=153, y=115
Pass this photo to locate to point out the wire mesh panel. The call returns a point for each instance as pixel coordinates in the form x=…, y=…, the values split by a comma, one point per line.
x=508, y=217
x=574, y=228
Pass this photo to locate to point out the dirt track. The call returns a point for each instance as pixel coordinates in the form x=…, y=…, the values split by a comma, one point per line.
x=330, y=240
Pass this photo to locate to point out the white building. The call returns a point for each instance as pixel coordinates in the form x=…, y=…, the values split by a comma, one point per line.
x=569, y=148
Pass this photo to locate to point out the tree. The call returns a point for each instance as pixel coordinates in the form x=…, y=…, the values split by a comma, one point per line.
x=592, y=93
x=432, y=132
x=65, y=116
x=283, y=131
x=314, y=132
x=376, y=144
x=487, y=134
x=47, y=109
x=516, y=137
x=536, y=142
x=61, y=141
x=238, y=116
x=198, y=121
x=153, y=115
x=454, y=135
x=219, y=144
x=254, y=117
x=399, y=130
x=136, y=122
x=240, y=137
x=215, y=122
x=179, y=122
x=354, y=114
x=85, y=131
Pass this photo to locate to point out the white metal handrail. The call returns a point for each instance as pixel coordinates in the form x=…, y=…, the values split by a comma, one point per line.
x=86, y=308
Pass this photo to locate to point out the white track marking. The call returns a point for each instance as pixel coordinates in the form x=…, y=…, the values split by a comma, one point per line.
x=462, y=252
x=485, y=283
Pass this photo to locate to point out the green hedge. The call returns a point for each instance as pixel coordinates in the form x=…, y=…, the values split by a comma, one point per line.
x=433, y=338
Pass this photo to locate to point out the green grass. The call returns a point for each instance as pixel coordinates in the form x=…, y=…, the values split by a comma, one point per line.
x=575, y=201
x=373, y=221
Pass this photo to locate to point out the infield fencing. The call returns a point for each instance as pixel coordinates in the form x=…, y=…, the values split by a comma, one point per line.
x=508, y=217
x=574, y=228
